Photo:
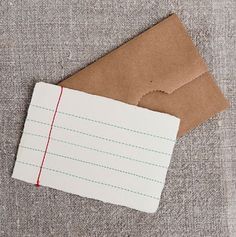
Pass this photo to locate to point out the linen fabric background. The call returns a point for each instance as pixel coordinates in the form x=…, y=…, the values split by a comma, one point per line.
x=48, y=40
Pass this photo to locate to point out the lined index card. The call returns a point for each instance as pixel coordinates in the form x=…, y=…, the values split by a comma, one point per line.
x=95, y=147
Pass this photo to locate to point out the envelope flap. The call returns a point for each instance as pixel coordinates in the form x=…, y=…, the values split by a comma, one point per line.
x=162, y=58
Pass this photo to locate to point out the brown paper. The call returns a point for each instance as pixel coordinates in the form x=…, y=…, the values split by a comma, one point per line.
x=160, y=70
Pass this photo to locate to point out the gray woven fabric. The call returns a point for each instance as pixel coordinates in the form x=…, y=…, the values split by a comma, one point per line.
x=47, y=40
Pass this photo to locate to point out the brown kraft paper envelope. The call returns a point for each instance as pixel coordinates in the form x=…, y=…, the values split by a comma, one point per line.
x=159, y=69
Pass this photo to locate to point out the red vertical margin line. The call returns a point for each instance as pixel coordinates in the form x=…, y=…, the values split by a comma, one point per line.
x=49, y=136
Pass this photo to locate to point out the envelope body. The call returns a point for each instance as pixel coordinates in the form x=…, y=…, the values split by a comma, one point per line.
x=159, y=69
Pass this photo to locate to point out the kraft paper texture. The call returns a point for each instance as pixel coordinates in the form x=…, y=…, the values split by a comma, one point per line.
x=159, y=69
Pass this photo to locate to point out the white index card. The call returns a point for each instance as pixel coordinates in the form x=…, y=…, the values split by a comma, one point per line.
x=96, y=147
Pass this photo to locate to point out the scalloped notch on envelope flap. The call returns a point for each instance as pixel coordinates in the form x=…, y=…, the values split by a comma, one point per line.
x=193, y=103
